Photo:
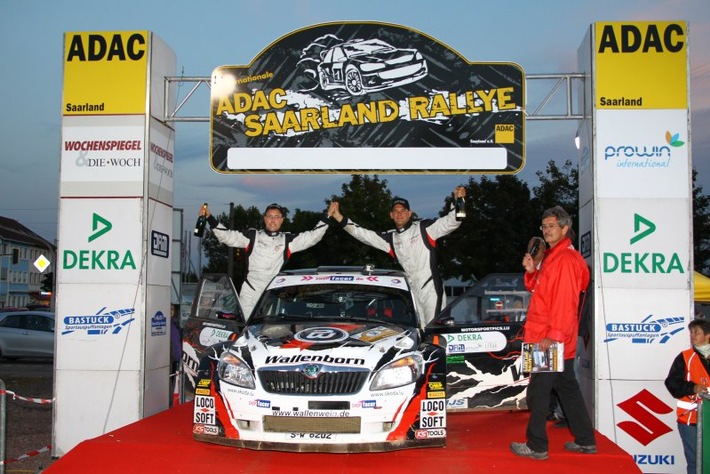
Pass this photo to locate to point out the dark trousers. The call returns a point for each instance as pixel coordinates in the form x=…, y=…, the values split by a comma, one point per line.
x=538, y=399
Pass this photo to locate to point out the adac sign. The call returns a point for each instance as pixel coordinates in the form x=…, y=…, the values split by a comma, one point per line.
x=629, y=53
x=98, y=259
x=105, y=73
x=643, y=262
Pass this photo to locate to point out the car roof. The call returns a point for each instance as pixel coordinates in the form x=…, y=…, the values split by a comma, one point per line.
x=361, y=270
x=368, y=276
x=47, y=314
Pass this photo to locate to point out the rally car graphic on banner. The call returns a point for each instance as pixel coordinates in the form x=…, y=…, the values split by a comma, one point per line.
x=332, y=92
x=329, y=361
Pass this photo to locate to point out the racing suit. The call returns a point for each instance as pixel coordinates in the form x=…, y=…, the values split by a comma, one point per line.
x=267, y=252
x=414, y=247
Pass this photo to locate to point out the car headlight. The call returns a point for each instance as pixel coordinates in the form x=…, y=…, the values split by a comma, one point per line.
x=233, y=370
x=399, y=372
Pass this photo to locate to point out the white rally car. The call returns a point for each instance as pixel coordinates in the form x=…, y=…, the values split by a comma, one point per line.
x=329, y=361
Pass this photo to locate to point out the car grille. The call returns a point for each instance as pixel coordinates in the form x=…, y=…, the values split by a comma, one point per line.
x=283, y=424
x=326, y=383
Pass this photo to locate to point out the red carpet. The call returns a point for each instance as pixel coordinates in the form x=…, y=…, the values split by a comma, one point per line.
x=477, y=442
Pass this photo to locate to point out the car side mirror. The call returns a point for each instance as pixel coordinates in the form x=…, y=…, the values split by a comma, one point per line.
x=446, y=321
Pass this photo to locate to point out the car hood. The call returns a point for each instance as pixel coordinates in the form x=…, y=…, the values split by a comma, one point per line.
x=364, y=345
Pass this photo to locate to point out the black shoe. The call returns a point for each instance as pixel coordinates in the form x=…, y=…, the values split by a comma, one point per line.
x=578, y=448
x=522, y=449
x=561, y=423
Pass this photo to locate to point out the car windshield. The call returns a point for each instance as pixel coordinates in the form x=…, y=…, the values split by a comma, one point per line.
x=329, y=301
x=366, y=47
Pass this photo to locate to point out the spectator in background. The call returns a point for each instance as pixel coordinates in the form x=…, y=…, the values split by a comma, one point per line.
x=688, y=378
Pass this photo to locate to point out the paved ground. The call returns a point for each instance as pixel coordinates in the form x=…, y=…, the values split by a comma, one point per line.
x=28, y=425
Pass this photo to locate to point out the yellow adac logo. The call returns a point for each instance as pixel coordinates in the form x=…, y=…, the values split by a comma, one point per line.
x=627, y=38
x=107, y=47
x=105, y=73
x=641, y=65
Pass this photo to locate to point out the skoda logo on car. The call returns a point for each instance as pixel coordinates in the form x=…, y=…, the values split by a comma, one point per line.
x=311, y=371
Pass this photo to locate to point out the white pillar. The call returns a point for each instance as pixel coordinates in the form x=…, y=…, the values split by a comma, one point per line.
x=115, y=225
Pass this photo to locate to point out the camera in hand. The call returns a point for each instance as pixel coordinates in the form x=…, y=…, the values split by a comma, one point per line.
x=536, y=249
x=201, y=222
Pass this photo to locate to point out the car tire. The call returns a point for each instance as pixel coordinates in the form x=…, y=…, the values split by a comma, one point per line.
x=323, y=80
x=353, y=81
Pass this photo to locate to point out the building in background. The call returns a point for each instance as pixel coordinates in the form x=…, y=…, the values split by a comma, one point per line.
x=20, y=280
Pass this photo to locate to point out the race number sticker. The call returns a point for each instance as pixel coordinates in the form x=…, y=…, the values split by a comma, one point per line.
x=433, y=414
x=204, y=410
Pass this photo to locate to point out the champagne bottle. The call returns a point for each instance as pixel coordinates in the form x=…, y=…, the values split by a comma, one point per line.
x=460, y=209
x=201, y=222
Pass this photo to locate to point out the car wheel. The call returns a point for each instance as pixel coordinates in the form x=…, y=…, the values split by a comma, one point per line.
x=323, y=80
x=353, y=81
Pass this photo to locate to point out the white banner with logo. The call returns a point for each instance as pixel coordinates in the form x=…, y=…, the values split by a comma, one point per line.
x=103, y=156
x=638, y=331
x=100, y=241
x=640, y=417
x=642, y=153
x=643, y=243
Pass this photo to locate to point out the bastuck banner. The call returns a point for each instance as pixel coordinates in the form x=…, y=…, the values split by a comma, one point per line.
x=322, y=99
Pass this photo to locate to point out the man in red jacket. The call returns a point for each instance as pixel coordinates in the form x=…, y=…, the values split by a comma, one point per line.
x=555, y=284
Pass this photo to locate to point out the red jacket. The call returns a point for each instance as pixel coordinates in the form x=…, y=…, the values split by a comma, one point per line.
x=555, y=289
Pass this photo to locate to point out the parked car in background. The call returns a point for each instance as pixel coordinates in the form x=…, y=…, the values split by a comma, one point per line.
x=26, y=334
x=483, y=330
x=330, y=360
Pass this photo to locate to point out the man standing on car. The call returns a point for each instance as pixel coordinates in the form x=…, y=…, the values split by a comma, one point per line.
x=556, y=284
x=413, y=244
x=267, y=250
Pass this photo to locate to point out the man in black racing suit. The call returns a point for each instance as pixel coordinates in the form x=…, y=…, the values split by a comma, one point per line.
x=413, y=244
x=267, y=250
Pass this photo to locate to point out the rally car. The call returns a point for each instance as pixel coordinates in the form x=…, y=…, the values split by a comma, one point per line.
x=369, y=65
x=330, y=360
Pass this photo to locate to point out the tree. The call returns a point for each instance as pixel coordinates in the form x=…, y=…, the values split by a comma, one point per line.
x=558, y=187
x=493, y=237
x=701, y=228
x=366, y=200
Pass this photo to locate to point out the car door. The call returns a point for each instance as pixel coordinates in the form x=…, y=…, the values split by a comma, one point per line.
x=482, y=330
x=43, y=335
x=216, y=316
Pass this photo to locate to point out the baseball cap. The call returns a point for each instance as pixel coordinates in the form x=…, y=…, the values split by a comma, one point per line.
x=399, y=200
x=273, y=205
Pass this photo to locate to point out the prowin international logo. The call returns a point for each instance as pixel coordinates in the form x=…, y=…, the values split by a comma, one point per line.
x=642, y=262
x=647, y=331
x=643, y=155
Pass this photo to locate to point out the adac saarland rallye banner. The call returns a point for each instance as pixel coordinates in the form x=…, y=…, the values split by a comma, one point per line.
x=360, y=97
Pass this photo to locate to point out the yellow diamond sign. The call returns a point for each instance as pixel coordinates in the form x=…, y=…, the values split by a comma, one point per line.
x=42, y=263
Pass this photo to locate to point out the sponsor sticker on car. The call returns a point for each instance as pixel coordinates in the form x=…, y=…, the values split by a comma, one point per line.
x=204, y=410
